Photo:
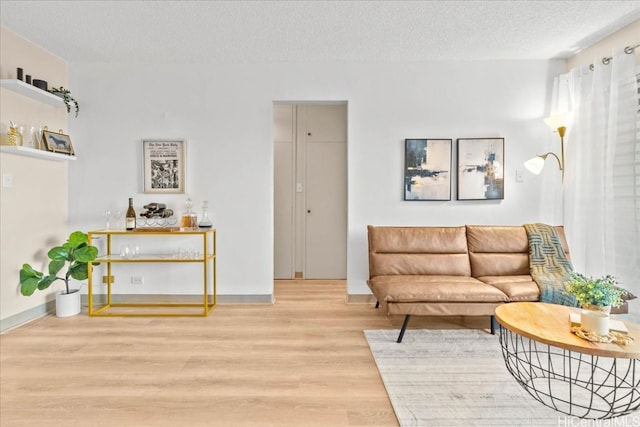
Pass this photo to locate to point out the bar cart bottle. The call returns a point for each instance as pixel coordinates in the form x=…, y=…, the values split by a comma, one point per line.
x=205, y=221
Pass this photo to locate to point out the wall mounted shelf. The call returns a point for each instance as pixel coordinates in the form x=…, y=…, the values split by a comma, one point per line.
x=32, y=152
x=32, y=92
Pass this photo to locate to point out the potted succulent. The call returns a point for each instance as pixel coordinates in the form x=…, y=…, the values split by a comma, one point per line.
x=65, y=94
x=75, y=254
x=596, y=296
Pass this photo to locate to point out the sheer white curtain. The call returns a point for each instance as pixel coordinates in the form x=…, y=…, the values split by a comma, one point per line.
x=602, y=177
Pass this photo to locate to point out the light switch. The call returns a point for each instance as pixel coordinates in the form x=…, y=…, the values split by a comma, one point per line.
x=298, y=188
x=519, y=177
x=7, y=180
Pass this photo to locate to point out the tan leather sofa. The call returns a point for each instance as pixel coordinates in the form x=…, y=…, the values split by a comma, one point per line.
x=451, y=271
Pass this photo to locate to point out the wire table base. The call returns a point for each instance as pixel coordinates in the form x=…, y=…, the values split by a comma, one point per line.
x=574, y=383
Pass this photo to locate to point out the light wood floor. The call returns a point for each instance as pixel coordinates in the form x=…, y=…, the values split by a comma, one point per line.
x=302, y=361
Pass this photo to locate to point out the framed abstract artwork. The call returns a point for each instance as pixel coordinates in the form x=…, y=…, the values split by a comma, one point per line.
x=427, y=167
x=164, y=165
x=480, y=168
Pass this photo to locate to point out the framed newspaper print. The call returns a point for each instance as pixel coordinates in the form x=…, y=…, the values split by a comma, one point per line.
x=164, y=166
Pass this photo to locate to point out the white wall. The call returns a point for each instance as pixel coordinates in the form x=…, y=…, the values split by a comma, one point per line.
x=225, y=114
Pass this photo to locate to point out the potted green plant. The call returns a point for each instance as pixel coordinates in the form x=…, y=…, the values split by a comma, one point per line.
x=75, y=254
x=596, y=296
x=595, y=293
x=65, y=94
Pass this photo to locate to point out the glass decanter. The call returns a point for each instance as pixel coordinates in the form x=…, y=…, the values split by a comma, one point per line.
x=205, y=222
x=189, y=218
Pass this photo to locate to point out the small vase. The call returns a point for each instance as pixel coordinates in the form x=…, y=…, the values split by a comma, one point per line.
x=595, y=319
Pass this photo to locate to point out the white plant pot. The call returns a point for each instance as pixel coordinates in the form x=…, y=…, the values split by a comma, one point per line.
x=596, y=322
x=68, y=304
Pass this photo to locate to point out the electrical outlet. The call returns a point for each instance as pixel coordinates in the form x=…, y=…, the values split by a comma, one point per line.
x=137, y=280
x=7, y=180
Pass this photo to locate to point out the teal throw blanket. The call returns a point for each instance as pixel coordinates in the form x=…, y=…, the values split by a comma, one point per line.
x=549, y=265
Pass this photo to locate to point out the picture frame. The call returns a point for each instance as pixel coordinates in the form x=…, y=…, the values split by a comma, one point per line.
x=480, y=169
x=427, y=169
x=164, y=166
x=57, y=142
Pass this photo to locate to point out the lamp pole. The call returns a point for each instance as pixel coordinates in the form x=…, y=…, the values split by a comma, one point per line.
x=561, y=132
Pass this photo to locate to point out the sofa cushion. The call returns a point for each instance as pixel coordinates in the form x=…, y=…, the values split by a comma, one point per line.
x=501, y=250
x=517, y=288
x=418, y=251
x=434, y=288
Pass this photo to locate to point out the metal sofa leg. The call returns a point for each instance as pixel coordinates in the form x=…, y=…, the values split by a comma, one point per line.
x=493, y=325
x=377, y=303
x=404, y=328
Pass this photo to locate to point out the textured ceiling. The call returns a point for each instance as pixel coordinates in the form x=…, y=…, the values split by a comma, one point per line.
x=303, y=31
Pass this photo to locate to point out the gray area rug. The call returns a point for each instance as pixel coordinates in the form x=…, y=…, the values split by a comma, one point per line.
x=458, y=378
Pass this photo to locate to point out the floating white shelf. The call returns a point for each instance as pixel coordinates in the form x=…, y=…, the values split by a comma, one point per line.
x=32, y=92
x=32, y=152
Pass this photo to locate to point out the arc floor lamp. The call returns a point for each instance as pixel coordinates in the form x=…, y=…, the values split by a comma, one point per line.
x=557, y=123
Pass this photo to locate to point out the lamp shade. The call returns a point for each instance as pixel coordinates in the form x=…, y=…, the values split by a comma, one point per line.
x=559, y=120
x=535, y=165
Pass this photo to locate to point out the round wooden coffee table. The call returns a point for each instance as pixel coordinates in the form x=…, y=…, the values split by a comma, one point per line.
x=563, y=371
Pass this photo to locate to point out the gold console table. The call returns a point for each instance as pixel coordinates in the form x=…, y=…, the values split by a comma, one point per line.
x=206, y=257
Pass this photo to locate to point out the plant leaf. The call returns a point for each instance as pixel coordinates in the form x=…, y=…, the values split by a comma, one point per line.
x=46, y=282
x=29, y=279
x=79, y=271
x=77, y=238
x=56, y=265
x=59, y=253
x=27, y=272
x=86, y=253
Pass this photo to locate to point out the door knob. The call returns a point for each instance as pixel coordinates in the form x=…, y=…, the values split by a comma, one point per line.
x=308, y=210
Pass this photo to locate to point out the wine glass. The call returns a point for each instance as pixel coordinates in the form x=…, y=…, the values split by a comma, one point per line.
x=108, y=216
x=117, y=216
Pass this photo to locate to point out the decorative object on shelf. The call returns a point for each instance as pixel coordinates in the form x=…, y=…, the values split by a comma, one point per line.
x=28, y=79
x=427, y=169
x=41, y=84
x=108, y=216
x=156, y=210
x=75, y=254
x=31, y=139
x=57, y=142
x=557, y=122
x=155, y=223
x=40, y=138
x=189, y=217
x=69, y=101
x=480, y=168
x=130, y=216
x=13, y=136
x=596, y=296
x=19, y=73
x=205, y=221
x=164, y=165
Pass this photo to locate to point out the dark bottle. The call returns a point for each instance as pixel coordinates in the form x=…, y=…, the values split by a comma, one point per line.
x=130, y=219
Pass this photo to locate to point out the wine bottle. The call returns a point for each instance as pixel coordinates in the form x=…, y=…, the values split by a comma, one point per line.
x=155, y=206
x=131, y=216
